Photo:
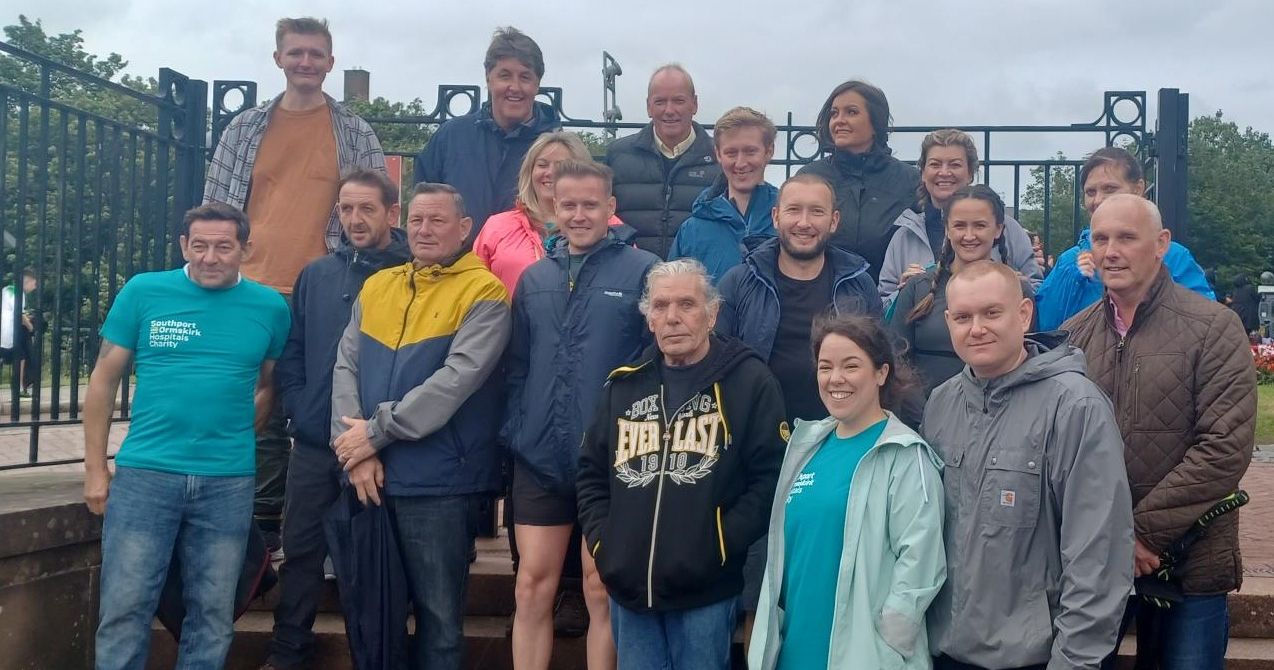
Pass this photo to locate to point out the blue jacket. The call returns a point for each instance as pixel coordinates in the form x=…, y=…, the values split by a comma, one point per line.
x=482, y=161
x=750, y=297
x=321, y=301
x=1066, y=292
x=564, y=343
x=717, y=235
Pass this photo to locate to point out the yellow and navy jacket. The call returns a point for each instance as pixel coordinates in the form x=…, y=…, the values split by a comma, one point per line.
x=670, y=498
x=416, y=361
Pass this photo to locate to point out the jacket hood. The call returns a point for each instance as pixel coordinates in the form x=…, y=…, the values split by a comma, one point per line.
x=874, y=160
x=1047, y=355
x=395, y=254
x=465, y=261
x=812, y=433
x=764, y=262
x=543, y=120
x=724, y=354
x=713, y=204
x=913, y=221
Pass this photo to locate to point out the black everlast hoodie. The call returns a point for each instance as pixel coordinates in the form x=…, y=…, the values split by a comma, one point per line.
x=670, y=498
x=321, y=301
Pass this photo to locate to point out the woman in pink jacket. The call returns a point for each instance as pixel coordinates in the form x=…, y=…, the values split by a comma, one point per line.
x=511, y=241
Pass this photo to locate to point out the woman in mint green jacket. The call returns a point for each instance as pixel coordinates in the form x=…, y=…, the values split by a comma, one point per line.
x=855, y=542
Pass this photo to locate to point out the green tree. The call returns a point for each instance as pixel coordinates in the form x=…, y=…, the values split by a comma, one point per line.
x=1059, y=217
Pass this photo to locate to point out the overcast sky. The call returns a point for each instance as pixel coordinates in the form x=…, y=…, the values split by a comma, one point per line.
x=951, y=63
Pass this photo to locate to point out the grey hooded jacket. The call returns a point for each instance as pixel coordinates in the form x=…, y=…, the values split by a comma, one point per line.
x=1038, y=515
x=910, y=244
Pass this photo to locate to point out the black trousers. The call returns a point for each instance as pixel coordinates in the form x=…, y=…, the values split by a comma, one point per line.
x=948, y=663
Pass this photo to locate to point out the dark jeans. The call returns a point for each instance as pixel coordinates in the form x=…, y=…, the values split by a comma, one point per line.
x=948, y=663
x=313, y=484
x=1191, y=635
x=434, y=535
x=273, y=451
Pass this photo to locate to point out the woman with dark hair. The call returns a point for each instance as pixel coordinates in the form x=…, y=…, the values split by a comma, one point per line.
x=948, y=163
x=974, y=229
x=872, y=187
x=855, y=544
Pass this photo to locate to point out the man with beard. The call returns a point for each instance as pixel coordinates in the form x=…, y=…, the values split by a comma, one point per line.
x=771, y=299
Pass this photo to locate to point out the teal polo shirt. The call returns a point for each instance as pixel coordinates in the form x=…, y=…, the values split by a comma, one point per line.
x=198, y=353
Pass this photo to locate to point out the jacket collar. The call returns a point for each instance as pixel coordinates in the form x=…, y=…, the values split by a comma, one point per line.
x=874, y=160
x=700, y=152
x=764, y=262
x=543, y=119
x=1160, y=288
x=713, y=204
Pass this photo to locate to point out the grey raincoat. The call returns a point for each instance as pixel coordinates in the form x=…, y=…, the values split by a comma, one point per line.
x=1038, y=515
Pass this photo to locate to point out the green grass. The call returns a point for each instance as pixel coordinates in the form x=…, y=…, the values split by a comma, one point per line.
x=1265, y=414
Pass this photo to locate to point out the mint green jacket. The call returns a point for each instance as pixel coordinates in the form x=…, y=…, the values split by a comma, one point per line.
x=892, y=561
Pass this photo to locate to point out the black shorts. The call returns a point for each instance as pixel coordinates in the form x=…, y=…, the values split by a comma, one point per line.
x=533, y=505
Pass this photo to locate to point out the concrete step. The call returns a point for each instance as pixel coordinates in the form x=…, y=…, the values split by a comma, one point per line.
x=486, y=645
x=1241, y=654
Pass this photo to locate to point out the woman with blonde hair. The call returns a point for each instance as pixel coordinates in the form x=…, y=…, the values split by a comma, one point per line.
x=511, y=241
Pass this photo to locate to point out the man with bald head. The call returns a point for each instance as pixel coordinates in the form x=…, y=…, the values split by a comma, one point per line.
x=1179, y=369
x=662, y=169
x=1038, y=527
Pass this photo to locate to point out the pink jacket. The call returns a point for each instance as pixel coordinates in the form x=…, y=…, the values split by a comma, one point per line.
x=509, y=244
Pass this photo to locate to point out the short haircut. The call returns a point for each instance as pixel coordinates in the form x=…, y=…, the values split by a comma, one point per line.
x=373, y=178
x=1150, y=209
x=1115, y=157
x=809, y=178
x=217, y=211
x=513, y=43
x=302, y=26
x=671, y=67
x=434, y=188
x=579, y=169
x=947, y=137
x=29, y=272
x=877, y=110
x=526, y=190
x=744, y=117
x=979, y=269
x=682, y=267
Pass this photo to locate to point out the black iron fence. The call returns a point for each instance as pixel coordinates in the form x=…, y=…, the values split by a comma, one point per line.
x=94, y=178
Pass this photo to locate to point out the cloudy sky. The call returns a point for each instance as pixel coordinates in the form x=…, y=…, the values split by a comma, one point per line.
x=951, y=63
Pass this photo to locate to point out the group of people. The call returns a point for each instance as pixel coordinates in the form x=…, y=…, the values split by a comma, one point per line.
x=837, y=410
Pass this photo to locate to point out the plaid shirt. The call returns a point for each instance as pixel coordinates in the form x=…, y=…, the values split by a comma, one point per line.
x=230, y=172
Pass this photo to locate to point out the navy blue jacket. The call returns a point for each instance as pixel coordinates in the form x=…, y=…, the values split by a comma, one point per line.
x=750, y=297
x=564, y=343
x=717, y=235
x=654, y=194
x=321, y=301
x=482, y=161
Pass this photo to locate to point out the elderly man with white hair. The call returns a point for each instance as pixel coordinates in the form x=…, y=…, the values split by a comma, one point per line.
x=676, y=476
x=1179, y=370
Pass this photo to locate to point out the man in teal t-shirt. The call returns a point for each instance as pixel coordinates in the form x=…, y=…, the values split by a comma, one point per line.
x=204, y=341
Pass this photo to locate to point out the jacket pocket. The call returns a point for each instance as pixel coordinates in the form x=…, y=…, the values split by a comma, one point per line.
x=1161, y=393
x=1011, y=489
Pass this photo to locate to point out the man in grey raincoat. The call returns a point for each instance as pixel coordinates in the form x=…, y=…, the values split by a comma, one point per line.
x=1038, y=528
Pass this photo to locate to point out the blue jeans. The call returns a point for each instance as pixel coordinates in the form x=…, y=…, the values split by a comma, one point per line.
x=1192, y=634
x=434, y=536
x=693, y=639
x=150, y=516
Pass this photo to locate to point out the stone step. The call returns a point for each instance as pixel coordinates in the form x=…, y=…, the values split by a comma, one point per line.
x=1241, y=654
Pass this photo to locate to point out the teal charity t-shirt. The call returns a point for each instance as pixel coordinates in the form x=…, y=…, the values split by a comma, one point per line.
x=813, y=539
x=198, y=353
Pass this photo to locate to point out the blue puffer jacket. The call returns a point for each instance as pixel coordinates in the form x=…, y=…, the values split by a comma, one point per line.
x=1066, y=291
x=482, y=161
x=717, y=235
x=321, y=302
x=750, y=297
x=564, y=343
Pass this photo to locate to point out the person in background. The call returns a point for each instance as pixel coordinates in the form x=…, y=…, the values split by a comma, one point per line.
x=676, y=477
x=1038, y=515
x=872, y=187
x=575, y=319
x=1074, y=282
x=733, y=215
x=282, y=163
x=19, y=332
x=481, y=152
x=948, y=162
x=367, y=203
x=1179, y=369
x=513, y=240
x=856, y=551
x=975, y=228
x=662, y=169
x=1246, y=303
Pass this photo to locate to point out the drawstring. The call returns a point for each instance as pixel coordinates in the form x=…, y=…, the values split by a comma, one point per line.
x=716, y=391
x=924, y=488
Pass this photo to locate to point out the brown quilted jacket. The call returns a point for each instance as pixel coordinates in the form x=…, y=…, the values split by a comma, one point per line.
x=1184, y=387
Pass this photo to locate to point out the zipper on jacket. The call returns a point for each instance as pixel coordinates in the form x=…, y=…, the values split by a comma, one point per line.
x=659, y=491
x=402, y=331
